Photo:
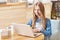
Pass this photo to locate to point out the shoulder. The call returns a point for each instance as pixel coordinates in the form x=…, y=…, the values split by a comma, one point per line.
x=47, y=20
x=30, y=19
x=29, y=22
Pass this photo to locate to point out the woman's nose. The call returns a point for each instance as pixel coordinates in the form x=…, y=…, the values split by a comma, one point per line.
x=36, y=11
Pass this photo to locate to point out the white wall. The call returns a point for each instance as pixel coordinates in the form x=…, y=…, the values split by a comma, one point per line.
x=22, y=0
x=35, y=1
x=45, y=1
x=53, y=0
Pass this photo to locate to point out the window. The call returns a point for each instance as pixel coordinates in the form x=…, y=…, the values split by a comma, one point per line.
x=2, y=1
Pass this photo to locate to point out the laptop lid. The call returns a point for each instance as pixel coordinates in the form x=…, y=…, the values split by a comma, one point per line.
x=23, y=29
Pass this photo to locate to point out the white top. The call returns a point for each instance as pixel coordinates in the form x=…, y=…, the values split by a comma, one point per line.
x=39, y=26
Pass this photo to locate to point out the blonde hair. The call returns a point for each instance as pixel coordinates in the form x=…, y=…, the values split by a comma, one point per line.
x=41, y=6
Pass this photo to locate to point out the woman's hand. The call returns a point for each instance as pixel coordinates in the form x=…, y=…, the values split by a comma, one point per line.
x=36, y=30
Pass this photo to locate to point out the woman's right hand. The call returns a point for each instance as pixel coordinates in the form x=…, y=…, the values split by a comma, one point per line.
x=36, y=30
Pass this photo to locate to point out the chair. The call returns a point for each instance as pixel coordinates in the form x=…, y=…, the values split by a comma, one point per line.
x=55, y=25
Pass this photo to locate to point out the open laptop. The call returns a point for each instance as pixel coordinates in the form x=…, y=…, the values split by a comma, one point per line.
x=26, y=30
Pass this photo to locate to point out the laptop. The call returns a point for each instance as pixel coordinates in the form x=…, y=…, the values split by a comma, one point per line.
x=25, y=30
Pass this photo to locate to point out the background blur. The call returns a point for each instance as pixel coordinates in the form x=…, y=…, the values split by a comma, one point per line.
x=20, y=11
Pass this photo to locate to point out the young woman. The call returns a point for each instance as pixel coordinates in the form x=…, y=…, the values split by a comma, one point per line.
x=39, y=23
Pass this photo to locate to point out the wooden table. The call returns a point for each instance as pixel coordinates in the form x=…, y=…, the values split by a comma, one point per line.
x=19, y=37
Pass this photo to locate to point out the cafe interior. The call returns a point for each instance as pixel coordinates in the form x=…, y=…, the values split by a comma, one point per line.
x=20, y=11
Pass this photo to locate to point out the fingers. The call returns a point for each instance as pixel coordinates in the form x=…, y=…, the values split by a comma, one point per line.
x=36, y=30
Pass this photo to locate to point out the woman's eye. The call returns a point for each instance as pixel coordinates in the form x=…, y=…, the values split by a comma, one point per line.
x=38, y=9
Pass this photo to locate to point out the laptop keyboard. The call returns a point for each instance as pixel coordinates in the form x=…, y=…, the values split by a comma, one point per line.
x=37, y=34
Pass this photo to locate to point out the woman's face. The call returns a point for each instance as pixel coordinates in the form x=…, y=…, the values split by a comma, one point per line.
x=37, y=12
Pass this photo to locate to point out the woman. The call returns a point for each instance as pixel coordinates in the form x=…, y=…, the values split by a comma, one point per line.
x=39, y=23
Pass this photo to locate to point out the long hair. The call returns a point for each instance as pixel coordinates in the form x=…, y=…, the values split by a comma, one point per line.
x=41, y=6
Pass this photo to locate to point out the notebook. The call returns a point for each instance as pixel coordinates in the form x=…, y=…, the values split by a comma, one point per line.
x=26, y=30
